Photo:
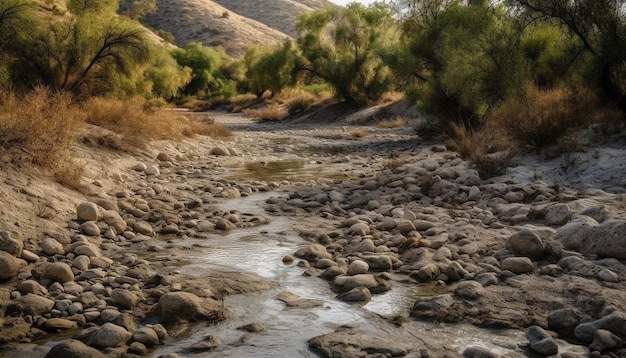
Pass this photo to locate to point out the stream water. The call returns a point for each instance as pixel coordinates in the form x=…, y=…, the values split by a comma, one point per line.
x=260, y=251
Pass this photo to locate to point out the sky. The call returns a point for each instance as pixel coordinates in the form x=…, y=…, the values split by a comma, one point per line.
x=346, y=2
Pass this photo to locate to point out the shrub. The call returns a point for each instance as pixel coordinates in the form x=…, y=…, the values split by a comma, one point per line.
x=390, y=123
x=540, y=116
x=138, y=124
x=272, y=112
x=38, y=127
x=358, y=133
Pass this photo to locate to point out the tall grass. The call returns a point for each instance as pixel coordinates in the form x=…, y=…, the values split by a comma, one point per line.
x=38, y=127
x=540, y=116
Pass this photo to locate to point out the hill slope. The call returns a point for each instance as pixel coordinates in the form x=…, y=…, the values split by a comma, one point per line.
x=230, y=23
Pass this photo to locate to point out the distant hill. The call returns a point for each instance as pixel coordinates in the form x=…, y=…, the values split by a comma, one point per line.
x=233, y=24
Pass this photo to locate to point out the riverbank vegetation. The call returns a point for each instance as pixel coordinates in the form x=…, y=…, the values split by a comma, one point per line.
x=524, y=70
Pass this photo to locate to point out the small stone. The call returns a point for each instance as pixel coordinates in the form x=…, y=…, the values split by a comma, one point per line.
x=615, y=323
x=51, y=247
x=147, y=336
x=108, y=335
x=254, y=327
x=427, y=273
x=608, y=276
x=357, y=294
x=139, y=167
x=358, y=267
x=152, y=170
x=564, y=319
x=517, y=265
x=81, y=262
x=31, y=286
x=90, y=228
x=36, y=305
x=88, y=249
x=470, y=290
x=143, y=227
x=558, y=214
x=526, y=243
x=541, y=342
x=124, y=299
x=360, y=229
x=30, y=256
x=478, y=352
x=487, y=279
x=74, y=349
x=59, y=324
x=9, y=265
x=58, y=272
x=604, y=340
x=219, y=151
x=87, y=212
x=138, y=348
x=9, y=244
x=208, y=343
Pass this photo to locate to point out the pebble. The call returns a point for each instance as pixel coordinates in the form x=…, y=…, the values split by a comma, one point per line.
x=541, y=342
x=517, y=265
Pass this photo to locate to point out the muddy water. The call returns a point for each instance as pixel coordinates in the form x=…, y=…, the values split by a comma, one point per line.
x=259, y=251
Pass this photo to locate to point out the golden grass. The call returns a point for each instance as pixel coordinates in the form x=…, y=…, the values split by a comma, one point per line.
x=393, y=163
x=390, y=97
x=358, y=133
x=38, y=127
x=541, y=116
x=137, y=124
x=390, y=123
x=272, y=112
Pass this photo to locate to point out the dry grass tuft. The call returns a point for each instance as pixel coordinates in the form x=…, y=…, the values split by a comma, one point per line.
x=391, y=97
x=358, y=133
x=489, y=150
x=393, y=163
x=541, y=116
x=272, y=112
x=69, y=174
x=38, y=127
x=390, y=123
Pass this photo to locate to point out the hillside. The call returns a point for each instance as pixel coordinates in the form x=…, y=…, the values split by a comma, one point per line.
x=230, y=23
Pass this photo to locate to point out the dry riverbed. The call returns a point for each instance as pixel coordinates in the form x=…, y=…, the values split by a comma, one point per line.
x=540, y=250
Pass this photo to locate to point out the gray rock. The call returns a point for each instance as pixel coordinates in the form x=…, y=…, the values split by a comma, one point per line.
x=54, y=324
x=541, y=342
x=526, y=243
x=557, y=214
x=143, y=227
x=219, y=151
x=152, y=170
x=106, y=336
x=113, y=219
x=357, y=294
x=90, y=228
x=517, y=265
x=139, y=167
x=604, y=340
x=378, y=262
x=360, y=229
x=487, y=279
x=586, y=236
x=388, y=223
x=58, y=272
x=469, y=290
x=176, y=306
x=313, y=253
x=405, y=226
x=88, y=249
x=333, y=271
x=358, y=267
x=51, y=247
x=455, y=271
x=124, y=298
x=564, y=319
x=81, y=262
x=478, y=352
x=138, y=348
x=30, y=256
x=9, y=244
x=347, y=283
x=427, y=273
x=87, y=212
x=146, y=335
x=74, y=349
x=31, y=286
x=615, y=323
x=36, y=305
x=9, y=265
x=608, y=276
x=208, y=343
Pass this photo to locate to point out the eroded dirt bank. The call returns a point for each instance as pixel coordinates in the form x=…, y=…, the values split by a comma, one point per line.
x=540, y=249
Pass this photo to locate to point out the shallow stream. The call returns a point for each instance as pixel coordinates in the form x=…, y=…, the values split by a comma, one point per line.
x=260, y=251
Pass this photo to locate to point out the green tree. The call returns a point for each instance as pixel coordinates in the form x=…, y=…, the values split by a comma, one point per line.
x=346, y=48
x=164, y=76
x=599, y=26
x=271, y=69
x=83, y=55
x=204, y=63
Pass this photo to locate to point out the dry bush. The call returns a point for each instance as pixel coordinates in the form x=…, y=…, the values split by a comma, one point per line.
x=300, y=102
x=390, y=97
x=358, y=133
x=390, y=123
x=393, y=163
x=272, y=112
x=138, y=124
x=541, y=116
x=488, y=150
x=69, y=174
x=38, y=127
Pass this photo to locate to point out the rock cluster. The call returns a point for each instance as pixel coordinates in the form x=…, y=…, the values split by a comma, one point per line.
x=435, y=220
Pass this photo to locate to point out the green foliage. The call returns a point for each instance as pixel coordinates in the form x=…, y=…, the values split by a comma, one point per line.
x=164, y=75
x=204, y=63
x=270, y=69
x=82, y=7
x=351, y=59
